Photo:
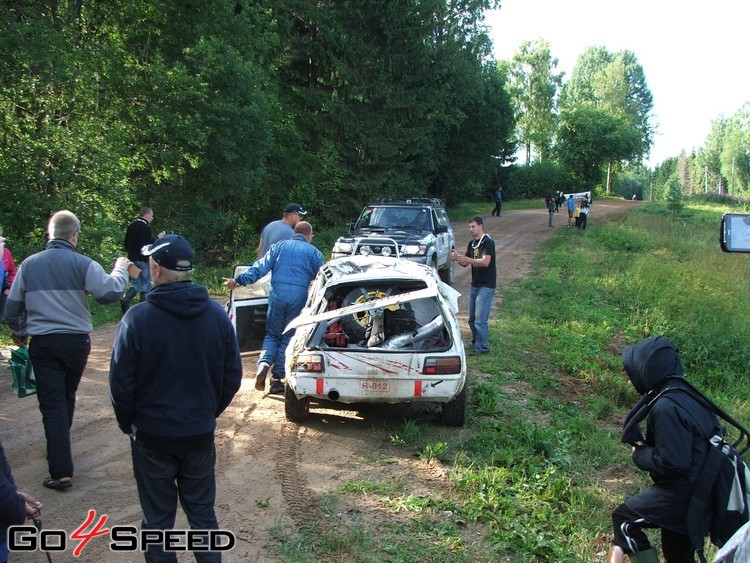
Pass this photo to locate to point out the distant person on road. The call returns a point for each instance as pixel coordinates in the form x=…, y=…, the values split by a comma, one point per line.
x=583, y=214
x=15, y=506
x=175, y=368
x=281, y=229
x=137, y=236
x=480, y=255
x=498, y=196
x=294, y=263
x=551, y=207
x=571, y=208
x=673, y=452
x=49, y=302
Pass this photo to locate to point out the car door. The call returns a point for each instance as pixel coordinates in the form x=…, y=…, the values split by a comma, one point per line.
x=247, y=308
x=444, y=238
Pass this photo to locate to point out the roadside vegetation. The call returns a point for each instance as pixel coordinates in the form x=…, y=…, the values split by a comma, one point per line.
x=536, y=471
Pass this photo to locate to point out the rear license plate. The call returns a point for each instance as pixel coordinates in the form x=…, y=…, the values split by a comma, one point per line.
x=380, y=386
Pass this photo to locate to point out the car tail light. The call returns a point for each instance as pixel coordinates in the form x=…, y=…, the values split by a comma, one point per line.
x=442, y=365
x=309, y=363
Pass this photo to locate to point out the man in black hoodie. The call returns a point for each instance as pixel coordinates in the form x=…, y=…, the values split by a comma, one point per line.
x=673, y=452
x=175, y=367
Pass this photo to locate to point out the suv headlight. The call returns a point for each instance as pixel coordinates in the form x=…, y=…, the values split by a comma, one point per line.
x=414, y=249
x=342, y=247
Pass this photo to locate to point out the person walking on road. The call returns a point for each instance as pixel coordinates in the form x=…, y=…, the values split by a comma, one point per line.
x=281, y=229
x=571, y=208
x=294, y=264
x=49, y=302
x=551, y=208
x=137, y=236
x=498, y=196
x=480, y=255
x=175, y=368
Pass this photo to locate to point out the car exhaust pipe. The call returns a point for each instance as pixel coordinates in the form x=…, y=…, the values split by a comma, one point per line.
x=333, y=395
x=401, y=340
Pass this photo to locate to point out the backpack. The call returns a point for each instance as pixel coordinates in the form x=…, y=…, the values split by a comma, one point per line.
x=720, y=502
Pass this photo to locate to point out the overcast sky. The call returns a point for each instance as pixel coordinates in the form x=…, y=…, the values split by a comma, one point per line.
x=695, y=55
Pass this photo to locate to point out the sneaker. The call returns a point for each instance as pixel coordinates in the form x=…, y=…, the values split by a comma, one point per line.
x=277, y=387
x=260, y=376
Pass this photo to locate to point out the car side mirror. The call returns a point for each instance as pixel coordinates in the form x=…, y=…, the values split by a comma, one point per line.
x=441, y=228
x=734, y=235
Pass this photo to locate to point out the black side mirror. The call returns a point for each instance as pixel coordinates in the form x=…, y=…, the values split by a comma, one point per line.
x=441, y=228
x=734, y=235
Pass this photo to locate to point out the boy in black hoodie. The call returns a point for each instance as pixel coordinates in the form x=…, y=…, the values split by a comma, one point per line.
x=673, y=452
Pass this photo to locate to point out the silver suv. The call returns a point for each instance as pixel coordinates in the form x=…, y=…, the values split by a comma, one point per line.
x=419, y=226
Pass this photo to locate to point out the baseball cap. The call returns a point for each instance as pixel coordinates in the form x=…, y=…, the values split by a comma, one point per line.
x=295, y=208
x=172, y=252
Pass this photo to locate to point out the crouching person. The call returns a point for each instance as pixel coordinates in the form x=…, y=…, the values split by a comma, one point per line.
x=175, y=367
x=673, y=452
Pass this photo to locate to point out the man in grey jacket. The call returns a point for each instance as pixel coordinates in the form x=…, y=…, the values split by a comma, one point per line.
x=48, y=301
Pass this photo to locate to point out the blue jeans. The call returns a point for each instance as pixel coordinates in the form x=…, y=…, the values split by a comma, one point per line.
x=281, y=310
x=480, y=303
x=142, y=283
x=58, y=361
x=161, y=479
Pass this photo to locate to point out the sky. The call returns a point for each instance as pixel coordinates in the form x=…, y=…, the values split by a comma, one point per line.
x=695, y=55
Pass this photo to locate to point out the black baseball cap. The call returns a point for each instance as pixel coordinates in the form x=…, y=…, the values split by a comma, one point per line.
x=172, y=252
x=295, y=208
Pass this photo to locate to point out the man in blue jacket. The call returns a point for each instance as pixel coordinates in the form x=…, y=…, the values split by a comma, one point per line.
x=294, y=264
x=175, y=368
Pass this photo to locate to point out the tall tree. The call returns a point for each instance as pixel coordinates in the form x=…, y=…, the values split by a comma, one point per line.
x=534, y=89
x=615, y=83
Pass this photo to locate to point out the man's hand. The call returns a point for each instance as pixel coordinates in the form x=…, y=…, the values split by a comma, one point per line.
x=230, y=283
x=19, y=341
x=33, y=506
x=123, y=263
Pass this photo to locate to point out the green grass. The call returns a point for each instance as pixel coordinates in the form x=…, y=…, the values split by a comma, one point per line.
x=539, y=466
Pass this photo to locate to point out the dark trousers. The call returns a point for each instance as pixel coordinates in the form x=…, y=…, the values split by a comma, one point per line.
x=629, y=535
x=162, y=479
x=498, y=207
x=58, y=361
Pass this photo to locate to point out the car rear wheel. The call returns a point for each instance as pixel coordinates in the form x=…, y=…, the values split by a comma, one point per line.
x=454, y=411
x=296, y=410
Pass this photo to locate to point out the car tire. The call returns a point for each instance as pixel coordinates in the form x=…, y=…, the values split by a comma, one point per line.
x=446, y=274
x=355, y=326
x=454, y=411
x=296, y=410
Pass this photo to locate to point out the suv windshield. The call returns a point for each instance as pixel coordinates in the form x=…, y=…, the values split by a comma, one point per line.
x=392, y=217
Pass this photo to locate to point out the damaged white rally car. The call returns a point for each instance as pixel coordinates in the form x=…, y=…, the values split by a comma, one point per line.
x=377, y=329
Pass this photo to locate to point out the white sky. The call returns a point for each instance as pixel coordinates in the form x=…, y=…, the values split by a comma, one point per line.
x=695, y=55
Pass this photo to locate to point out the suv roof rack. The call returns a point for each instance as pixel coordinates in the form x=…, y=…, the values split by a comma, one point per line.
x=434, y=201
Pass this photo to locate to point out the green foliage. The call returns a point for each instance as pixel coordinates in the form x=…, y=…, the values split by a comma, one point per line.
x=217, y=114
x=536, y=180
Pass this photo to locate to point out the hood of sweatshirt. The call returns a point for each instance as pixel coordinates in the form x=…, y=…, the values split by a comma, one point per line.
x=181, y=299
x=650, y=362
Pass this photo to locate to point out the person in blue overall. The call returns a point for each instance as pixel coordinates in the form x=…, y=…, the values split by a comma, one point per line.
x=294, y=263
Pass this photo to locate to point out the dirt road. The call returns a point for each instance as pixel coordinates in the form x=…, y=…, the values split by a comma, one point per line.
x=272, y=476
